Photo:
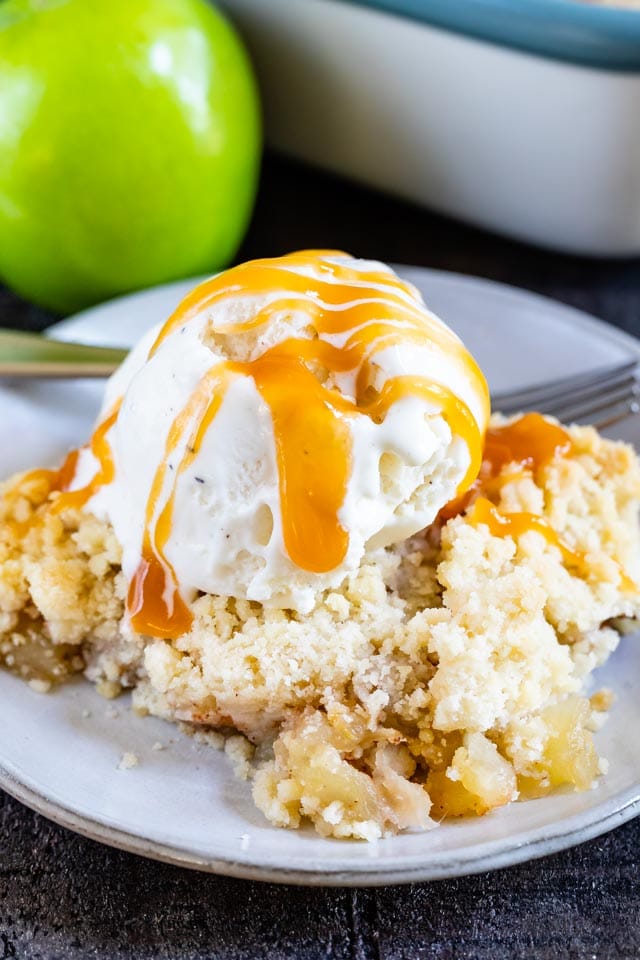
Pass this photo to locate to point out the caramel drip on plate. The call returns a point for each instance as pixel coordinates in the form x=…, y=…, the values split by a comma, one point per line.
x=350, y=316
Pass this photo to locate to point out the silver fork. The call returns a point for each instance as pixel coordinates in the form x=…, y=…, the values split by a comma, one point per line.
x=602, y=397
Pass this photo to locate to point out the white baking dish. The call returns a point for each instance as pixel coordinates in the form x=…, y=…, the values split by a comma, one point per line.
x=527, y=143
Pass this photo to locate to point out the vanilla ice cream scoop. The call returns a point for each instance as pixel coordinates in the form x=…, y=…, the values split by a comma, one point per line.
x=290, y=415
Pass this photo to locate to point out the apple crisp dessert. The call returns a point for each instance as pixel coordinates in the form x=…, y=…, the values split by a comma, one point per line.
x=445, y=675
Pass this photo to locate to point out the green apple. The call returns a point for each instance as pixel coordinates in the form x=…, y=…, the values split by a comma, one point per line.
x=129, y=145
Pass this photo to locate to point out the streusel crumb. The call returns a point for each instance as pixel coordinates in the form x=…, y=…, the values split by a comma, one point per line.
x=445, y=677
x=128, y=761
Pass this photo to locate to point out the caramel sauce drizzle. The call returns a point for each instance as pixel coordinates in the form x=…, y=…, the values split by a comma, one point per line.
x=369, y=311
x=52, y=481
x=63, y=477
x=57, y=482
x=518, y=523
x=531, y=442
x=105, y=473
x=527, y=444
x=155, y=604
x=313, y=452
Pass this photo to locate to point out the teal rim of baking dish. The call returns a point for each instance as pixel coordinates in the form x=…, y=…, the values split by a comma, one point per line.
x=590, y=34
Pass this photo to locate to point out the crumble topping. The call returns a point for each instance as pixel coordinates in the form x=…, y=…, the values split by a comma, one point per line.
x=444, y=677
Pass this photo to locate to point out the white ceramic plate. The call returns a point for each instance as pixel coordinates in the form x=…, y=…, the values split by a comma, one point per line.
x=59, y=753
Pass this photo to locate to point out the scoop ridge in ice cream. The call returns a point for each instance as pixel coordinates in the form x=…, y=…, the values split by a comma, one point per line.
x=292, y=414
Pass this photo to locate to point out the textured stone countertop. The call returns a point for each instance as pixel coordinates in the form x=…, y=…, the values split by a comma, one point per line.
x=62, y=896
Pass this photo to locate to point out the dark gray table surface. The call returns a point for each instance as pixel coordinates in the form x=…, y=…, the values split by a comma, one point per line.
x=62, y=896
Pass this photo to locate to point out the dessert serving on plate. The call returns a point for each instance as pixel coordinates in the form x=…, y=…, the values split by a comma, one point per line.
x=296, y=521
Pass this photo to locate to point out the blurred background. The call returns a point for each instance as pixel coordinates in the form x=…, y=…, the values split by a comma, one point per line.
x=494, y=137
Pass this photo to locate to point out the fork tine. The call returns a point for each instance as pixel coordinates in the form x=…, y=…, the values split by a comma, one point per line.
x=613, y=418
x=624, y=394
x=603, y=398
x=558, y=391
x=585, y=397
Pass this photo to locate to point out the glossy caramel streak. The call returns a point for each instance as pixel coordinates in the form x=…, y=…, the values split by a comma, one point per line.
x=531, y=442
x=105, y=473
x=350, y=298
x=456, y=413
x=41, y=476
x=64, y=476
x=49, y=481
x=339, y=286
x=154, y=602
x=375, y=309
x=313, y=449
x=528, y=443
x=37, y=484
x=518, y=523
x=313, y=444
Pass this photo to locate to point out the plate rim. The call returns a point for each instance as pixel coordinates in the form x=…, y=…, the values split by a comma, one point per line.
x=550, y=838
x=550, y=841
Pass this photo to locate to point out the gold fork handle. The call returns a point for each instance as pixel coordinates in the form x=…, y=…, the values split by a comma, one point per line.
x=33, y=355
